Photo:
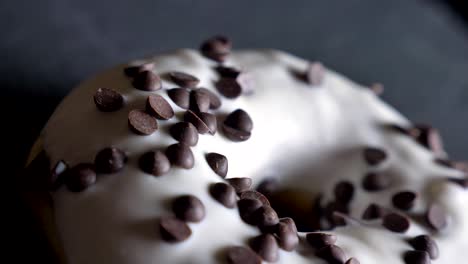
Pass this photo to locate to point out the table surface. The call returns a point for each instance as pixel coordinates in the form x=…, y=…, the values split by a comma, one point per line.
x=417, y=48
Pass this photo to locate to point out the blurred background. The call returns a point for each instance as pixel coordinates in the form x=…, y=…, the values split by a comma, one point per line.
x=417, y=48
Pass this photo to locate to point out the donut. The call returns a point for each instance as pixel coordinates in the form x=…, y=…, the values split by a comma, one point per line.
x=254, y=156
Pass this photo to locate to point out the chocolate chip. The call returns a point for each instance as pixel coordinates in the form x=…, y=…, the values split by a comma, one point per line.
x=315, y=73
x=56, y=178
x=228, y=72
x=241, y=255
x=320, y=240
x=147, y=81
x=185, y=133
x=372, y=212
x=255, y=195
x=180, y=96
x=429, y=137
x=110, y=160
x=238, y=125
x=374, y=156
x=266, y=217
x=223, y=193
x=352, y=261
x=416, y=257
x=155, y=163
x=218, y=163
x=188, y=208
x=404, y=200
x=334, y=207
x=240, y=184
x=180, y=155
x=268, y=186
x=141, y=122
x=332, y=254
x=132, y=71
x=396, y=222
x=266, y=247
x=108, y=100
x=216, y=48
x=436, y=217
x=80, y=177
x=376, y=182
x=215, y=102
x=158, y=107
x=229, y=87
x=287, y=234
x=174, y=230
x=199, y=101
x=344, y=192
x=425, y=243
x=204, y=122
x=247, y=208
x=377, y=88
x=183, y=79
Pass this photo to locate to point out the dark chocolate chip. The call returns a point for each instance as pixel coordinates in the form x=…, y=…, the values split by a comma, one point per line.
x=344, y=192
x=436, y=217
x=142, y=123
x=334, y=207
x=215, y=102
x=247, y=209
x=155, y=163
x=158, y=107
x=185, y=133
x=373, y=211
x=108, y=100
x=132, y=71
x=429, y=137
x=173, y=229
x=80, y=177
x=416, y=257
x=377, y=88
x=251, y=194
x=110, y=160
x=180, y=96
x=320, y=240
x=332, y=254
x=183, y=79
x=147, y=81
x=239, y=119
x=180, y=155
x=218, y=163
x=216, y=48
x=425, y=243
x=242, y=255
x=229, y=87
x=199, y=101
x=235, y=135
x=188, y=208
x=404, y=200
x=374, y=156
x=376, y=182
x=266, y=217
x=204, y=122
x=268, y=186
x=223, y=193
x=266, y=247
x=240, y=184
x=315, y=73
x=56, y=178
x=396, y=222
x=287, y=234
x=228, y=72
x=352, y=261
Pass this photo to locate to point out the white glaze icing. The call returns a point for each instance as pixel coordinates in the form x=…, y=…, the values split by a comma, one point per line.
x=307, y=137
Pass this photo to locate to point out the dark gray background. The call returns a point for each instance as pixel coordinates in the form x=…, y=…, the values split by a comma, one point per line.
x=417, y=48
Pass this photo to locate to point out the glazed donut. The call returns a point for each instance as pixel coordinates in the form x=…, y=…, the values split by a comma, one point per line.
x=220, y=156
